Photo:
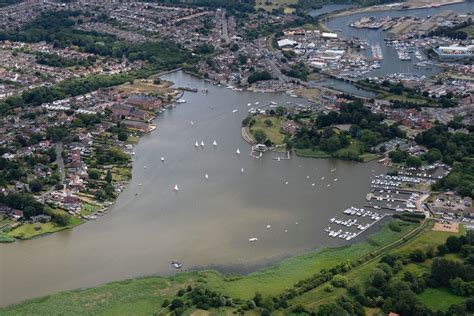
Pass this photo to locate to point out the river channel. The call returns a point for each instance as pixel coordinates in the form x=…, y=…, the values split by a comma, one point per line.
x=207, y=223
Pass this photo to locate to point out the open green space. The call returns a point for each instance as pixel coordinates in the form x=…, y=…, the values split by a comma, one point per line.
x=27, y=231
x=311, y=153
x=272, y=131
x=439, y=298
x=469, y=30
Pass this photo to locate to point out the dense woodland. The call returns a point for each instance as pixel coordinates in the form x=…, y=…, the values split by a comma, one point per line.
x=366, y=127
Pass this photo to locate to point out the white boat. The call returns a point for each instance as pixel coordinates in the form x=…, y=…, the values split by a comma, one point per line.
x=249, y=104
x=253, y=239
x=257, y=103
x=235, y=111
x=192, y=123
x=286, y=182
x=139, y=184
x=162, y=158
x=242, y=170
x=202, y=143
x=214, y=143
x=181, y=101
x=176, y=187
x=273, y=103
x=313, y=184
x=268, y=226
x=335, y=179
x=322, y=178
x=237, y=151
x=144, y=167
x=206, y=176
x=197, y=144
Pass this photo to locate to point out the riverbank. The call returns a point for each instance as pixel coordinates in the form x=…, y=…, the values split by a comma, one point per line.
x=145, y=295
x=148, y=295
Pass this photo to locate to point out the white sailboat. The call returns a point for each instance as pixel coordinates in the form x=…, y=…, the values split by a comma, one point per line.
x=234, y=111
x=192, y=123
x=242, y=170
x=206, y=176
x=202, y=143
x=176, y=187
x=197, y=144
x=214, y=143
x=237, y=151
x=162, y=158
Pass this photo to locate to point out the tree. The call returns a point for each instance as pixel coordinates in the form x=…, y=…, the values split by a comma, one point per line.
x=453, y=244
x=94, y=174
x=260, y=136
x=108, y=176
x=268, y=122
x=176, y=303
x=417, y=256
x=280, y=110
x=414, y=161
x=35, y=186
x=122, y=136
x=61, y=218
x=339, y=281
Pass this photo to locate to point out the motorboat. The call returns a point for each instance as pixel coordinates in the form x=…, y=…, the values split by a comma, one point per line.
x=176, y=264
x=253, y=239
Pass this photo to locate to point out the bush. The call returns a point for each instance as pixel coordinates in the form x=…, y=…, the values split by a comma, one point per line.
x=176, y=303
x=417, y=256
x=339, y=281
x=395, y=226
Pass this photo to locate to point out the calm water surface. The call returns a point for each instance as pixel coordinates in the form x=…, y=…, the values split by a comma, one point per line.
x=208, y=222
x=391, y=63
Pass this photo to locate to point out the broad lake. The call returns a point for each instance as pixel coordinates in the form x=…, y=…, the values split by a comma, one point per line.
x=208, y=223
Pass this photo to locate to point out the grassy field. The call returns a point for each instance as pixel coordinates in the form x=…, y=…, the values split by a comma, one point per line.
x=311, y=153
x=439, y=299
x=27, y=231
x=273, y=132
x=269, y=5
x=469, y=30
x=4, y=238
x=144, y=296
x=145, y=87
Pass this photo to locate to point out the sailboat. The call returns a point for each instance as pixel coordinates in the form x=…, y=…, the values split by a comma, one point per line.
x=237, y=151
x=192, y=123
x=197, y=144
x=202, y=143
x=214, y=143
x=206, y=176
x=176, y=187
x=162, y=158
x=242, y=170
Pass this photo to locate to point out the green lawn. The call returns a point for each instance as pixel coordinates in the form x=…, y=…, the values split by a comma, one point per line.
x=469, y=30
x=273, y=132
x=88, y=209
x=4, y=238
x=439, y=298
x=27, y=231
x=311, y=153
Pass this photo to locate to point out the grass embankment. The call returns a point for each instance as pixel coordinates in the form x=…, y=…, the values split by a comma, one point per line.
x=27, y=231
x=273, y=132
x=355, y=149
x=144, y=296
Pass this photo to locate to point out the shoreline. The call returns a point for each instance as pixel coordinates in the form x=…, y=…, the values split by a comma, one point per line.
x=382, y=8
x=229, y=273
